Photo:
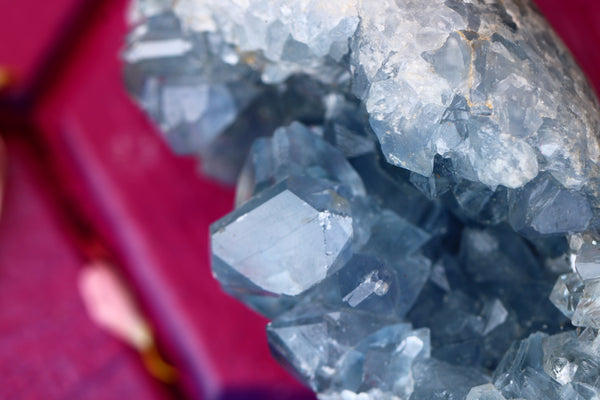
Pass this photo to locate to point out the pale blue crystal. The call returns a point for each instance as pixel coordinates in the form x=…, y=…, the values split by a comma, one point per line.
x=544, y=207
x=387, y=287
x=393, y=237
x=288, y=238
x=191, y=94
x=336, y=349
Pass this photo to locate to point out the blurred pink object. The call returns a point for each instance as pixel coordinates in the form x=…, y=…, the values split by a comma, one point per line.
x=111, y=305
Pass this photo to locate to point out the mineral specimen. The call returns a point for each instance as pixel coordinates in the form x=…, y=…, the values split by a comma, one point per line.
x=417, y=185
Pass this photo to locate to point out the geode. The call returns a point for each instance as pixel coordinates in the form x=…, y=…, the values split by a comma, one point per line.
x=417, y=186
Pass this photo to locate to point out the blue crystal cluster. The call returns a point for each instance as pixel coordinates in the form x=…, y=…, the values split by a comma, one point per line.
x=417, y=198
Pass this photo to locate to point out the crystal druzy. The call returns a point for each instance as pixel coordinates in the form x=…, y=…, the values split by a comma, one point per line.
x=417, y=187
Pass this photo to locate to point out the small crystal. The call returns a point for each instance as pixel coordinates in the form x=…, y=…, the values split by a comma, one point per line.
x=379, y=285
x=566, y=293
x=494, y=315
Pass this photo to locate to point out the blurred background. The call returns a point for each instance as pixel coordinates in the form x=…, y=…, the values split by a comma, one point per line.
x=105, y=283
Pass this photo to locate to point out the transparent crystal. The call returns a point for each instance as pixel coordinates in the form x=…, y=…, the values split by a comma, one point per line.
x=567, y=293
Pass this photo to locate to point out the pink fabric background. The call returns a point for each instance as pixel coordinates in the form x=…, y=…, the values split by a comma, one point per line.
x=87, y=171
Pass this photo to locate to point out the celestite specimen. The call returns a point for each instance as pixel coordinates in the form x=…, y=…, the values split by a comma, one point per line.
x=417, y=187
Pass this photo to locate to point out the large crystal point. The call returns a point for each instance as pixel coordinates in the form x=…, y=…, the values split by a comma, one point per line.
x=287, y=239
x=335, y=350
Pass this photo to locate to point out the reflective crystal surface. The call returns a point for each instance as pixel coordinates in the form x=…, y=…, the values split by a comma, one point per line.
x=417, y=187
x=288, y=238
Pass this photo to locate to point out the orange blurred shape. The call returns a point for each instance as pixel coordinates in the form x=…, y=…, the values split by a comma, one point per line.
x=7, y=77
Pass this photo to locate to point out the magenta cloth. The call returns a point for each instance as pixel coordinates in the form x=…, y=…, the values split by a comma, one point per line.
x=151, y=209
x=49, y=348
